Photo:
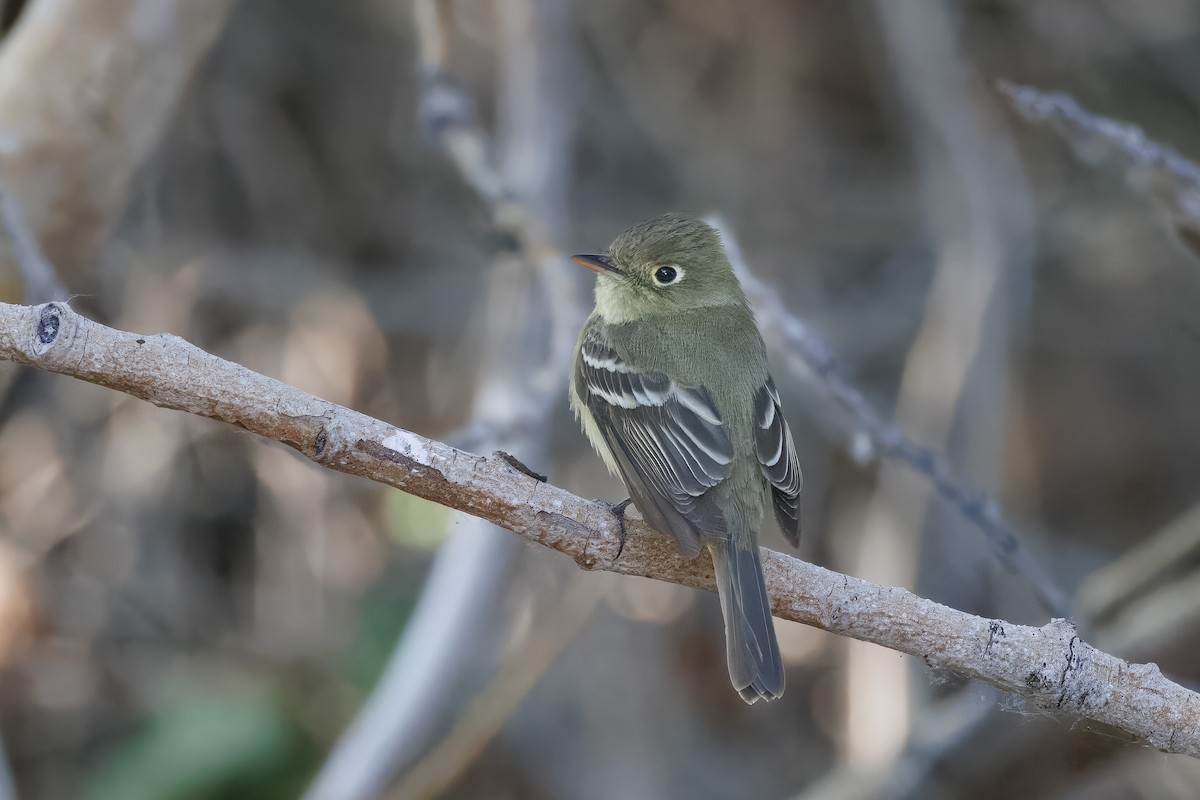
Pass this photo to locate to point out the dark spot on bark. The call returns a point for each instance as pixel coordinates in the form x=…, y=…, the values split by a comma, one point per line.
x=377, y=450
x=141, y=341
x=319, y=444
x=995, y=631
x=49, y=323
x=1072, y=662
x=519, y=466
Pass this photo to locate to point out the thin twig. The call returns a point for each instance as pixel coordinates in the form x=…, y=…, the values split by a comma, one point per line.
x=935, y=731
x=41, y=284
x=1050, y=666
x=870, y=438
x=1172, y=179
x=1144, y=567
x=1152, y=624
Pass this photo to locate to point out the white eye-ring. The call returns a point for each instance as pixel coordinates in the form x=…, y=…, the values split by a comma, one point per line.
x=668, y=274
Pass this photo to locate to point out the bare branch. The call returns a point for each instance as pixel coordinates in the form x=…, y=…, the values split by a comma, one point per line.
x=1147, y=565
x=1159, y=170
x=1050, y=666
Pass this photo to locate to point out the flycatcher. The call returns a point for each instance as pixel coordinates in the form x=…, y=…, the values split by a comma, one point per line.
x=671, y=386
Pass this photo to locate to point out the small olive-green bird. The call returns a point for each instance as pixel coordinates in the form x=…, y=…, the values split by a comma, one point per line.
x=671, y=386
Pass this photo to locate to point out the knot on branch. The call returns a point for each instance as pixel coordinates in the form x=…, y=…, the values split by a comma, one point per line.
x=1066, y=680
x=49, y=325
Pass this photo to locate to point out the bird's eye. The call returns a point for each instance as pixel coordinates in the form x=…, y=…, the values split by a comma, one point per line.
x=665, y=276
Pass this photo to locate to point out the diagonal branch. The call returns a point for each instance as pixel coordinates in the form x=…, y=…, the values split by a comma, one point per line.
x=1153, y=168
x=1050, y=666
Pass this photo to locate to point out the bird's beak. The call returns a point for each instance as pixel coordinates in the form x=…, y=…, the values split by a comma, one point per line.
x=596, y=263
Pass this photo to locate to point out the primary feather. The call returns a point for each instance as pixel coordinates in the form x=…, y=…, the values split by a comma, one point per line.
x=780, y=465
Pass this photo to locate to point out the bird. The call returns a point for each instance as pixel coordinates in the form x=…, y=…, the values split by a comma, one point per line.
x=670, y=384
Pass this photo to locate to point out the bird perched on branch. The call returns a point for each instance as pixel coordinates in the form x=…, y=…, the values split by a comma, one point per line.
x=670, y=383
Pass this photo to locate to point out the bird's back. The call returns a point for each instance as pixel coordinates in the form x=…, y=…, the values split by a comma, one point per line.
x=720, y=349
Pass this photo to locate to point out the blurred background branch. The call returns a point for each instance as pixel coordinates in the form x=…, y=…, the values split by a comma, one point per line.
x=495, y=705
x=522, y=185
x=1153, y=168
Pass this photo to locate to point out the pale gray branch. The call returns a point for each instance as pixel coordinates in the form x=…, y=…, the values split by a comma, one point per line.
x=1050, y=666
x=1162, y=172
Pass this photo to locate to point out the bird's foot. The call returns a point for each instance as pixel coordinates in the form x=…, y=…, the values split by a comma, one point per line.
x=618, y=511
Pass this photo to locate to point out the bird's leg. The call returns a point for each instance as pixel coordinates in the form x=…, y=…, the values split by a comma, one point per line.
x=618, y=511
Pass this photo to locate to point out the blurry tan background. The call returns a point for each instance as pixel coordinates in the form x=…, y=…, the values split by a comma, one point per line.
x=187, y=612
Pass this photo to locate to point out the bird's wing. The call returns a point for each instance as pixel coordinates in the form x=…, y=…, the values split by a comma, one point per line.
x=777, y=457
x=667, y=439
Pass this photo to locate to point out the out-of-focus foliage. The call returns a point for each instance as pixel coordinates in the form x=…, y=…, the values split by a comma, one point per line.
x=186, y=612
x=228, y=743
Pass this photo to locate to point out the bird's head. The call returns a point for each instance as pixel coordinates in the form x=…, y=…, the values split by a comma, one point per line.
x=665, y=265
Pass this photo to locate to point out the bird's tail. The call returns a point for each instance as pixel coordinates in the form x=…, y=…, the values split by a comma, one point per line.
x=755, y=667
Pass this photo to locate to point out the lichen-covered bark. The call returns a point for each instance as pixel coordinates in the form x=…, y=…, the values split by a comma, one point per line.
x=1050, y=665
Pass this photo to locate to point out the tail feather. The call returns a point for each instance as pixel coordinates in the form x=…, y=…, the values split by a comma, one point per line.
x=755, y=667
